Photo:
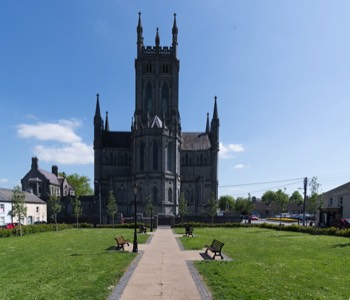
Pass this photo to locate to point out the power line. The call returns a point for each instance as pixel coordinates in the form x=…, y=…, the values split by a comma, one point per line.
x=259, y=183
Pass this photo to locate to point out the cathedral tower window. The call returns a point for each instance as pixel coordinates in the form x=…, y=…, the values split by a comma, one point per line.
x=170, y=195
x=165, y=98
x=148, y=99
x=142, y=157
x=155, y=156
x=155, y=194
x=170, y=162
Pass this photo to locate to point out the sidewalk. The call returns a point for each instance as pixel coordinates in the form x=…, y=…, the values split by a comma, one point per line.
x=162, y=271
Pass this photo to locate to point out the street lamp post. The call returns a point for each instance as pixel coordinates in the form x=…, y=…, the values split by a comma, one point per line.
x=135, y=246
x=151, y=217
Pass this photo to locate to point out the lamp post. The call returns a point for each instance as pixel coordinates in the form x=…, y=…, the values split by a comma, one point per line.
x=135, y=246
x=151, y=217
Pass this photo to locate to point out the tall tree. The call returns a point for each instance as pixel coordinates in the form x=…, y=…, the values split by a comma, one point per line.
x=182, y=207
x=244, y=206
x=19, y=209
x=112, y=206
x=226, y=203
x=54, y=207
x=77, y=209
x=281, y=201
x=315, y=197
x=81, y=184
x=296, y=197
x=213, y=207
x=268, y=197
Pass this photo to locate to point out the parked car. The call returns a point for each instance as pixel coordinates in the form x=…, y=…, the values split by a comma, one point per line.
x=10, y=225
x=254, y=217
x=341, y=223
x=40, y=222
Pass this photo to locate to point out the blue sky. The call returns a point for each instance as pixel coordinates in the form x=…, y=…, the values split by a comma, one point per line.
x=280, y=70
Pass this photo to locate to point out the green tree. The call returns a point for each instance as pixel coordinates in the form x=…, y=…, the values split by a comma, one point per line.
x=19, y=209
x=226, y=203
x=297, y=198
x=182, y=207
x=281, y=201
x=315, y=199
x=77, y=209
x=149, y=209
x=269, y=197
x=54, y=207
x=213, y=207
x=112, y=206
x=80, y=184
x=244, y=206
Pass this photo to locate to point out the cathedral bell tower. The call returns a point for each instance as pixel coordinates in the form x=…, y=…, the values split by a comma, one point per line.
x=156, y=130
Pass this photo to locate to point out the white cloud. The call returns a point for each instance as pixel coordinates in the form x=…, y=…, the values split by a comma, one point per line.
x=4, y=180
x=241, y=166
x=68, y=147
x=226, y=151
x=76, y=153
x=63, y=131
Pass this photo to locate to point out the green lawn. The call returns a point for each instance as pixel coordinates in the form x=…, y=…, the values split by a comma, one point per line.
x=270, y=264
x=70, y=264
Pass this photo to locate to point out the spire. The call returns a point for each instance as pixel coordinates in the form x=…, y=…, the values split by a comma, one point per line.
x=107, y=123
x=207, y=127
x=139, y=36
x=97, y=110
x=215, y=114
x=175, y=31
x=157, y=38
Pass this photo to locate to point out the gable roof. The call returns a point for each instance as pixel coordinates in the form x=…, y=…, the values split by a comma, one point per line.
x=6, y=196
x=193, y=141
x=342, y=189
x=50, y=176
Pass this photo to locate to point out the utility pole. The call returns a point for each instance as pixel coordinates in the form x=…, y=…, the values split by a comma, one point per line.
x=305, y=190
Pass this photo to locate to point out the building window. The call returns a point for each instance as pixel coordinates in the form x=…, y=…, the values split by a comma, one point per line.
x=165, y=69
x=155, y=156
x=170, y=162
x=170, y=195
x=155, y=195
x=2, y=220
x=165, y=98
x=37, y=209
x=2, y=208
x=330, y=202
x=142, y=157
x=340, y=201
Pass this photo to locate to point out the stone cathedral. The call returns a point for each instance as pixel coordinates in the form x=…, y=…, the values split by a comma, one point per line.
x=156, y=156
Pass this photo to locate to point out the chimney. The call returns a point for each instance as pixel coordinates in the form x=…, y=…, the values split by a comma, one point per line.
x=34, y=163
x=55, y=170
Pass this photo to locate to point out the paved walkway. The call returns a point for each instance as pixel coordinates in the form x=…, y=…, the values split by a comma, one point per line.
x=162, y=271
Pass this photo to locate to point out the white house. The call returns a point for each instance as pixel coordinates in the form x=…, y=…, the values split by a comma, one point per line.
x=36, y=208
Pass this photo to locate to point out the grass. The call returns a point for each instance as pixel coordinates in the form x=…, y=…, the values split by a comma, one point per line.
x=270, y=264
x=70, y=264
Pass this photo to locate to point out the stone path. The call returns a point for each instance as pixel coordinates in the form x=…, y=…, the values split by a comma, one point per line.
x=162, y=271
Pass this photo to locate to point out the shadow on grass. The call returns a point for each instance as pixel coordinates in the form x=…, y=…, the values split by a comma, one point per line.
x=107, y=251
x=341, y=245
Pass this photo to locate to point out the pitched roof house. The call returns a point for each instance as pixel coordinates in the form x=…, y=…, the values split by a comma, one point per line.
x=43, y=183
x=36, y=208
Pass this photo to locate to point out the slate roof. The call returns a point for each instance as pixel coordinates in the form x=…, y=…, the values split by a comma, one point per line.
x=6, y=196
x=50, y=176
x=118, y=139
x=193, y=141
x=342, y=189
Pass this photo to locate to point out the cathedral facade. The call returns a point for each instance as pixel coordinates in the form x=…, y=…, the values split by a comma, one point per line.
x=156, y=158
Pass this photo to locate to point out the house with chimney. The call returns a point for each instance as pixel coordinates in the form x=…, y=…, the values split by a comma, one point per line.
x=43, y=184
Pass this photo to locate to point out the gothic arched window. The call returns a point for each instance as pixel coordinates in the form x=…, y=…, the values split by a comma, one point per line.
x=142, y=156
x=155, y=156
x=170, y=195
x=148, y=99
x=165, y=98
x=155, y=195
x=170, y=162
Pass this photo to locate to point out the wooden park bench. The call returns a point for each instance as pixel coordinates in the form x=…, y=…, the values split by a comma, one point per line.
x=121, y=242
x=189, y=231
x=215, y=247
